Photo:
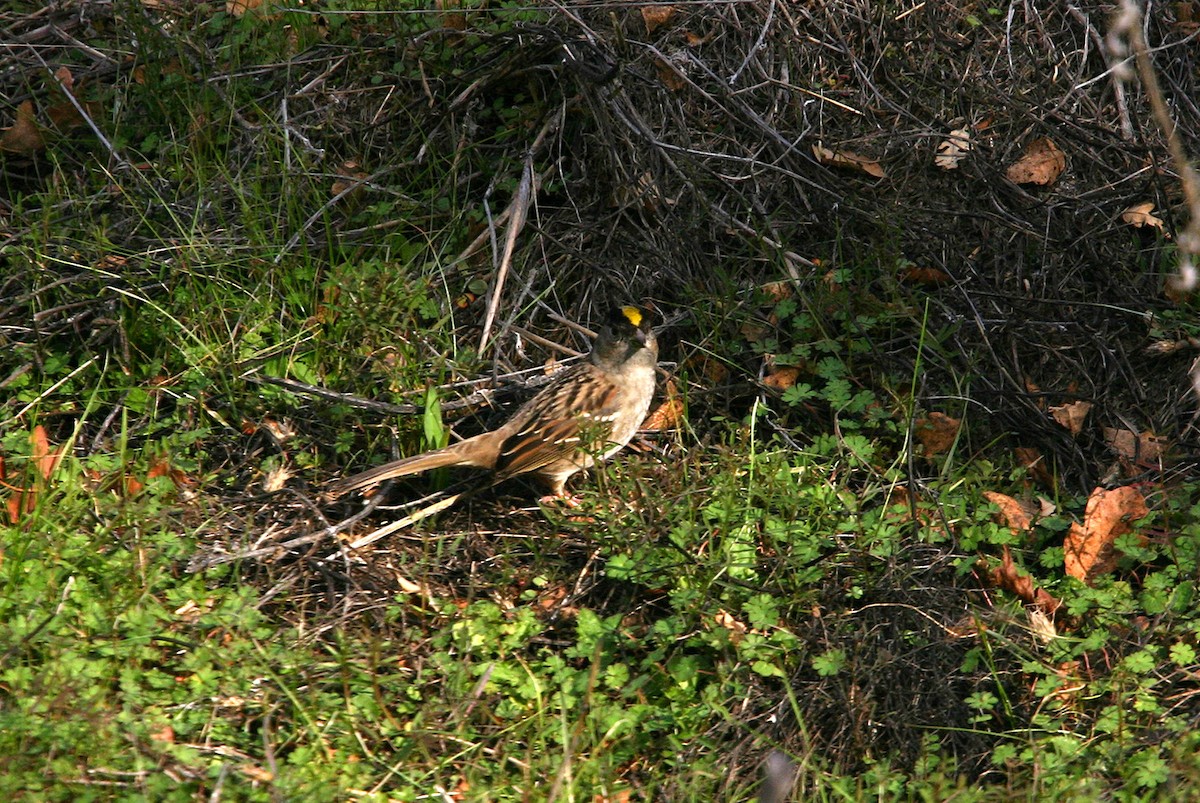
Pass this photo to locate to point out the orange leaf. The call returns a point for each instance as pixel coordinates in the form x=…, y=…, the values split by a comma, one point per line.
x=936, y=432
x=930, y=277
x=1088, y=547
x=669, y=75
x=782, y=378
x=1017, y=515
x=40, y=453
x=1041, y=164
x=657, y=16
x=165, y=734
x=24, y=136
x=1010, y=578
x=666, y=416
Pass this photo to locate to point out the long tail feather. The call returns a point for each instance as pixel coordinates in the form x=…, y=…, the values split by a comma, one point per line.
x=463, y=453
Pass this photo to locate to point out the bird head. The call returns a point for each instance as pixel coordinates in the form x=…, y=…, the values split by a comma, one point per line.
x=626, y=332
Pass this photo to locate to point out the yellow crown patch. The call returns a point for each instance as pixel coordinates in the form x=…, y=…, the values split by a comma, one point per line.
x=633, y=315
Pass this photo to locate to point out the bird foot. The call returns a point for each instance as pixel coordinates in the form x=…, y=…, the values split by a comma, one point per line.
x=566, y=499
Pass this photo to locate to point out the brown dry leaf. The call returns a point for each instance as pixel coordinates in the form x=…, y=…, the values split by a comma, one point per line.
x=351, y=178
x=657, y=16
x=1071, y=415
x=1041, y=164
x=452, y=18
x=669, y=75
x=1145, y=448
x=1089, y=546
x=1008, y=577
x=936, y=432
x=953, y=148
x=713, y=370
x=162, y=468
x=65, y=115
x=165, y=734
x=848, y=160
x=1139, y=215
x=929, y=277
x=21, y=503
x=754, y=331
x=1035, y=462
x=694, y=39
x=256, y=773
x=1122, y=441
x=280, y=429
x=1016, y=514
x=24, y=136
x=1042, y=626
x=620, y=796
x=277, y=479
x=65, y=79
x=551, y=597
x=782, y=377
x=778, y=291
x=726, y=621
x=667, y=415
x=239, y=8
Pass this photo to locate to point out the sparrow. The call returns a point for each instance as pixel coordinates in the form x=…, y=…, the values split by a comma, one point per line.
x=585, y=414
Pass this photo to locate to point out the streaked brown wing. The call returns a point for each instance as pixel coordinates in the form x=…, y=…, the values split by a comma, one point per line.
x=553, y=427
x=539, y=447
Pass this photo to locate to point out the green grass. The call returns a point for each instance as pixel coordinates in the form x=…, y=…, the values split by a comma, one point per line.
x=765, y=584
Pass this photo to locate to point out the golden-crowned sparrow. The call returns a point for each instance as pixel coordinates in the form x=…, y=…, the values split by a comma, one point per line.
x=587, y=412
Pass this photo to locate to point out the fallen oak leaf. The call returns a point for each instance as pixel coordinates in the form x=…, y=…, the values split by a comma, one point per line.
x=657, y=16
x=848, y=160
x=1041, y=164
x=1145, y=447
x=351, y=178
x=1139, y=215
x=1071, y=415
x=782, y=377
x=936, y=432
x=23, y=136
x=1088, y=550
x=1008, y=577
x=1016, y=514
x=953, y=148
x=930, y=277
x=669, y=74
x=1035, y=463
x=667, y=415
